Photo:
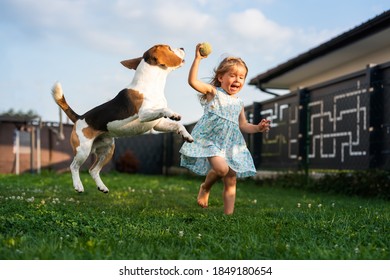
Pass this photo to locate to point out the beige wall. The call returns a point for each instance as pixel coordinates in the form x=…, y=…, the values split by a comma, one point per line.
x=357, y=64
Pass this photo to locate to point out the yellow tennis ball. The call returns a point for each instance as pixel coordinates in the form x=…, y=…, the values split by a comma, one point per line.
x=205, y=49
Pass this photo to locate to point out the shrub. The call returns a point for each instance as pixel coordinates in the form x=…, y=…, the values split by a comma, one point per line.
x=367, y=183
x=127, y=163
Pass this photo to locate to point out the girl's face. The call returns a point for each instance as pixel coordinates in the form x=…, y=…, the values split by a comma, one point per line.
x=233, y=80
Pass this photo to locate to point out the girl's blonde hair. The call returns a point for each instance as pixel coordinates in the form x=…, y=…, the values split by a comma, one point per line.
x=226, y=64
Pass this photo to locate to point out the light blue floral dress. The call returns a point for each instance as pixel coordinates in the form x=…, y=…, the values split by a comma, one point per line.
x=217, y=133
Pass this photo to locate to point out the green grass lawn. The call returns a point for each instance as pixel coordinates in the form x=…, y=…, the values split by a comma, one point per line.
x=156, y=217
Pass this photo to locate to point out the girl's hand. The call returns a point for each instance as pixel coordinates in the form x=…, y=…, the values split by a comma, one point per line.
x=197, y=52
x=264, y=125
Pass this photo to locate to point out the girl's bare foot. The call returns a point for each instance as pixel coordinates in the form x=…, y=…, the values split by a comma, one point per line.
x=203, y=196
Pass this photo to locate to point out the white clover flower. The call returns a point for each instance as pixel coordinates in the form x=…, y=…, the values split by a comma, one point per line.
x=309, y=205
x=299, y=205
x=55, y=200
x=357, y=250
x=181, y=233
x=319, y=205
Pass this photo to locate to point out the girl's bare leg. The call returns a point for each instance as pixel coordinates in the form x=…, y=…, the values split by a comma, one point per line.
x=219, y=169
x=229, y=192
x=205, y=188
x=203, y=197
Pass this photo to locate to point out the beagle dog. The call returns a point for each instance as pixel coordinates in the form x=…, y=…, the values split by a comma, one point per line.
x=135, y=110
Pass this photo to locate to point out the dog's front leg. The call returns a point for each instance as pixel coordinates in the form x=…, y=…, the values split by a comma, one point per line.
x=165, y=125
x=147, y=115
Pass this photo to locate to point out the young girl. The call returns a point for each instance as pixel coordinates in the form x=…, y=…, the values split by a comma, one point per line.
x=219, y=150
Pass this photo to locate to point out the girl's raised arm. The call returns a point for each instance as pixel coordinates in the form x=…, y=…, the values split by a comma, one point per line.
x=193, y=80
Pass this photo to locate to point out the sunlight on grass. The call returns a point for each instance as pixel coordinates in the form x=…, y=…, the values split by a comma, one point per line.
x=156, y=217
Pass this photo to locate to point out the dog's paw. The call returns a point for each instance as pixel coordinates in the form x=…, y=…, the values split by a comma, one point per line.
x=79, y=188
x=175, y=117
x=185, y=135
x=102, y=187
x=168, y=113
x=188, y=139
x=103, y=190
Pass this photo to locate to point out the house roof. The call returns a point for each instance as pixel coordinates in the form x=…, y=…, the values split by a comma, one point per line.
x=363, y=39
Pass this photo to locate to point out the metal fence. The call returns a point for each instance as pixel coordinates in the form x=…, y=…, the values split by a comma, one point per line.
x=341, y=124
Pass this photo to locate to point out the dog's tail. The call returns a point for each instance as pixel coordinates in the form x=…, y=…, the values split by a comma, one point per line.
x=59, y=98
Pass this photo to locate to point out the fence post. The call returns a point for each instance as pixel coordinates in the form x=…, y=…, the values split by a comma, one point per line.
x=32, y=149
x=167, y=152
x=376, y=114
x=257, y=138
x=304, y=123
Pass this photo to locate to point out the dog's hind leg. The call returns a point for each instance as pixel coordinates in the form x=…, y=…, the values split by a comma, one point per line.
x=81, y=141
x=165, y=125
x=103, y=149
x=81, y=156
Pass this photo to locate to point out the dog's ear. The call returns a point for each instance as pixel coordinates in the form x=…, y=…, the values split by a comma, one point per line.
x=132, y=63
